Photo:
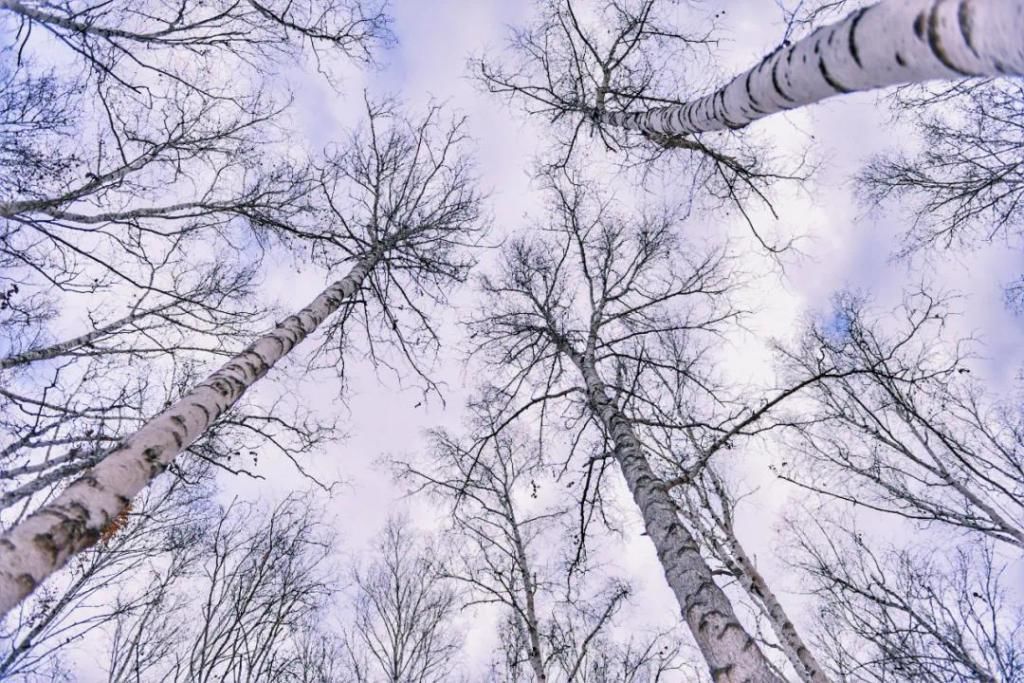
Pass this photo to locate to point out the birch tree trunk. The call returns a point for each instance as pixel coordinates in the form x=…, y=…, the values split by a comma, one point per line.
x=799, y=655
x=59, y=349
x=713, y=517
x=892, y=42
x=731, y=653
x=532, y=623
x=42, y=543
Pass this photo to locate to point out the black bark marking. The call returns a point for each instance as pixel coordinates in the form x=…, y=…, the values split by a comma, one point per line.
x=722, y=673
x=833, y=83
x=152, y=457
x=963, y=16
x=778, y=86
x=80, y=510
x=900, y=60
x=854, y=50
x=91, y=481
x=920, y=22
x=937, y=48
x=87, y=536
x=46, y=544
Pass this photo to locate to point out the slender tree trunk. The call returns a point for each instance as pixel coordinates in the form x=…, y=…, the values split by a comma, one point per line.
x=890, y=43
x=732, y=654
x=799, y=655
x=74, y=520
x=530, y=590
x=81, y=340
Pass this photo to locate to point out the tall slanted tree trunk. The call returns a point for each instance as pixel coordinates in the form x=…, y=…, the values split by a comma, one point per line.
x=721, y=541
x=890, y=43
x=731, y=653
x=42, y=543
x=799, y=655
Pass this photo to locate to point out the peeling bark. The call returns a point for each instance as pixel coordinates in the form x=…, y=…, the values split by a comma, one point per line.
x=890, y=43
x=42, y=543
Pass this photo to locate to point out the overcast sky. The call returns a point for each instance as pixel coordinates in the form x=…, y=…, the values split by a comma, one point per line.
x=844, y=245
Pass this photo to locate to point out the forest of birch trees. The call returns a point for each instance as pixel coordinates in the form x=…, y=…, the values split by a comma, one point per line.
x=551, y=341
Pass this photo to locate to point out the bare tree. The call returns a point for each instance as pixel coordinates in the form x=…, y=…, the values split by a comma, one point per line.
x=241, y=610
x=121, y=42
x=398, y=215
x=402, y=608
x=711, y=508
x=910, y=615
x=588, y=312
x=184, y=590
x=555, y=621
x=158, y=537
x=965, y=185
x=577, y=67
x=889, y=43
x=907, y=431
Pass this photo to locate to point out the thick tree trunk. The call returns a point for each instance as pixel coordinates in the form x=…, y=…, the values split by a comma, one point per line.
x=74, y=520
x=732, y=654
x=890, y=43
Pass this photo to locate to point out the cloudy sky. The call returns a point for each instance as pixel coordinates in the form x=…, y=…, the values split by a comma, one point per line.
x=843, y=245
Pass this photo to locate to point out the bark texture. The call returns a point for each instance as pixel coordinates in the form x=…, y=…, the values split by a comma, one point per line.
x=799, y=655
x=731, y=653
x=890, y=43
x=75, y=519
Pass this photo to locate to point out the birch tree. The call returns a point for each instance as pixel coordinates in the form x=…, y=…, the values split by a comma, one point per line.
x=181, y=589
x=571, y=64
x=587, y=312
x=910, y=614
x=395, y=214
x=556, y=624
x=911, y=434
x=162, y=284
x=158, y=536
x=711, y=507
x=64, y=405
x=401, y=630
x=889, y=43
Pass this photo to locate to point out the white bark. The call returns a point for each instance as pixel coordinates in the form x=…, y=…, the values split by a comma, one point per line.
x=81, y=340
x=890, y=43
x=71, y=522
x=716, y=526
x=799, y=655
x=731, y=653
x=532, y=623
